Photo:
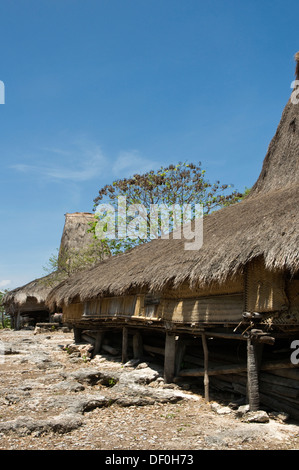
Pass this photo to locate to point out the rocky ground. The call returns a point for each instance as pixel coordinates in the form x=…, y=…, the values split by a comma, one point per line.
x=54, y=397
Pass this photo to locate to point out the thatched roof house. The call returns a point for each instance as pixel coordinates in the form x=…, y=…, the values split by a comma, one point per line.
x=264, y=225
x=28, y=302
x=242, y=284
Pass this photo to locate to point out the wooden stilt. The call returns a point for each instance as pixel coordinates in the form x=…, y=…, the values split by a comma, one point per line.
x=77, y=334
x=206, y=366
x=254, y=353
x=169, y=358
x=18, y=320
x=137, y=345
x=124, y=357
x=180, y=352
x=98, y=342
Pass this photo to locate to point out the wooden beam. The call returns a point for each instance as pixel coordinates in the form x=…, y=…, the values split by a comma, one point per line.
x=124, y=353
x=180, y=353
x=253, y=365
x=169, y=358
x=154, y=349
x=77, y=334
x=206, y=366
x=234, y=369
x=98, y=342
x=18, y=320
x=137, y=345
x=219, y=370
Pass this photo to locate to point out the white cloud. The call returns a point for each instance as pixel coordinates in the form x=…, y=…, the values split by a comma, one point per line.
x=5, y=282
x=85, y=161
x=130, y=162
x=80, y=165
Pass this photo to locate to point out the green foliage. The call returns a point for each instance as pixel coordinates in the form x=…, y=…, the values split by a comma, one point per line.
x=184, y=183
x=65, y=263
x=5, y=319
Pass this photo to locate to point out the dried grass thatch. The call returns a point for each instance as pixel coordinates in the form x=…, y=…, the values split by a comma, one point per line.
x=264, y=224
x=75, y=234
x=297, y=67
x=74, y=237
x=36, y=291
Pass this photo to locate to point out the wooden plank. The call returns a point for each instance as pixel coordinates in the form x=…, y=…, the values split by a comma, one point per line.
x=124, y=355
x=154, y=349
x=280, y=405
x=180, y=353
x=276, y=379
x=218, y=370
x=231, y=368
x=98, y=342
x=77, y=334
x=169, y=358
x=253, y=365
x=276, y=389
x=206, y=366
x=137, y=345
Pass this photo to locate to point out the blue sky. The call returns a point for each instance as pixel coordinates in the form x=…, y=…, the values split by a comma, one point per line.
x=96, y=90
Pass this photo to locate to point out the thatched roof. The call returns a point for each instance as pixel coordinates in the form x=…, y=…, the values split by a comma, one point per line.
x=74, y=236
x=264, y=224
x=36, y=290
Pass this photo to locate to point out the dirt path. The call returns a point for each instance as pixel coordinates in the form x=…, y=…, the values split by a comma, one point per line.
x=52, y=400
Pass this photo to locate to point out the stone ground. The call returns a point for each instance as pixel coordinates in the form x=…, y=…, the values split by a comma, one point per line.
x=54, y=398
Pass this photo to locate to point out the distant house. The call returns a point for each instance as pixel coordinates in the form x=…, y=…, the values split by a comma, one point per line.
x=228, y=312
x=26, y=305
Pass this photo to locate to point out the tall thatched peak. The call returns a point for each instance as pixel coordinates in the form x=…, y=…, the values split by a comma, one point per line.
x=75, y=234
x=74, y=238
x=297, y=67
x=281, y=164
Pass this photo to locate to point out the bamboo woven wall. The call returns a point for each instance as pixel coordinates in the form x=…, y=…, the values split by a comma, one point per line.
x=212, y=309
x=111, y=306
x=265, y=290
x=293, y=294
x=72, y=312
x=231, y=286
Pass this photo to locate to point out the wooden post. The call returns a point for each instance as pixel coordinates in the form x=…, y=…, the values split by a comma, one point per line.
x=169, y=358
x=206, y=366
x=98, y=342
x=124, y=354
x=137, y=345
x=18, y=320
x=77, y=334
x=180, y=352
x=254, y=352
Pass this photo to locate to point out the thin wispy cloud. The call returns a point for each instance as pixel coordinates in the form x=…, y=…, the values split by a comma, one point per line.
x=5, y=283
x=77, y=166
x=84, y=163
x=131, y=162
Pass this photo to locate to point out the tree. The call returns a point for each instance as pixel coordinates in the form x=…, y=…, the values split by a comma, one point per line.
x=181, y=184
x=65, y=263
x=5, y=322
